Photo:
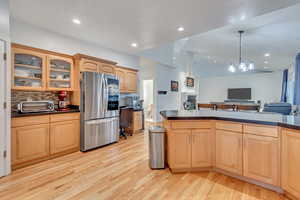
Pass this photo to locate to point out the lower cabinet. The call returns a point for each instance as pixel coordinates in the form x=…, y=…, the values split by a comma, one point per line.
x=64, y=136
x=261, y=158
x=201, y=148
x=290, y=175
x=190, y=148
x=180, y=149
x=30, y=143
x=229, y=151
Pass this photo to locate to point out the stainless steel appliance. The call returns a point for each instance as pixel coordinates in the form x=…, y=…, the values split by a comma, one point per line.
x=99, y=110
x=157, y=147
x=134, y=102
x=35, y=106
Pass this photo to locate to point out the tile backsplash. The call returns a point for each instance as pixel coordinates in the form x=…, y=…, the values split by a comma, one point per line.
x=18, y=96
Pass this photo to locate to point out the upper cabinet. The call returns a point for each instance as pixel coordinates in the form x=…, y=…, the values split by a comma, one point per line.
x=36, y=69
x=60, y=73
x=128, y=80
x=28, y=70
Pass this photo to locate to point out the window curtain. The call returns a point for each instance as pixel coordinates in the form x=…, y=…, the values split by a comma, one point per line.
x=284, y=86
x=297, y=81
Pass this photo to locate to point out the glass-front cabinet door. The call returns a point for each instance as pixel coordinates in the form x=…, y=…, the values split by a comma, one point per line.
x=60, y=73
x=29, y=70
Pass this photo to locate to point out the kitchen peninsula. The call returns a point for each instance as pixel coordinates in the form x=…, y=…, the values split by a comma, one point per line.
x=260, y=148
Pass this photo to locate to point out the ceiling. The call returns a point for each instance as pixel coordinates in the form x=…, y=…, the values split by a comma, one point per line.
x=116, y=24
x=276, y=33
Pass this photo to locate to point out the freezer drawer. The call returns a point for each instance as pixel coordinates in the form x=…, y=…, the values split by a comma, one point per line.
x=97, y=133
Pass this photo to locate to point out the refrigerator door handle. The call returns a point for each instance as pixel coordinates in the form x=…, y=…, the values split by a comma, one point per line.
x=105, y=95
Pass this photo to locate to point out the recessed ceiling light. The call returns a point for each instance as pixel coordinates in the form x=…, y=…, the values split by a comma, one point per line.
x=76, y=21
x=180, y=29
x=134, y=44
x=243, y=17
x=267, y=54
x=266, y=62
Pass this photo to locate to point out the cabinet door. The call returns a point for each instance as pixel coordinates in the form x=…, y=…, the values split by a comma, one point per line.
x=261, y=158
x=291, y=162
x=131, y=80
x=28, y=70
x=60, y=73
x=179, y=149
x=30, y=143
x=88, y=65
x=201, y=148
x=64, y=136
x=137, y=120
x=229, y=151
x=107, y=69
x=121, y=75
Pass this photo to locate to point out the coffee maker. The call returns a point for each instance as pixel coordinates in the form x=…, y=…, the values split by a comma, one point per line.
x=63, y=103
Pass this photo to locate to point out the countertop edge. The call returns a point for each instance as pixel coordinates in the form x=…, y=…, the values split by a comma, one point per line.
x=18, y=115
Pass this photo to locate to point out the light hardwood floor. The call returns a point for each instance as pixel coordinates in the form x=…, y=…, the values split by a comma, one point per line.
x=120, y=171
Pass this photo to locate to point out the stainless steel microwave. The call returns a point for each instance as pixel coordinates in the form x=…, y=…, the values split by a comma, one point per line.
x=35, y=106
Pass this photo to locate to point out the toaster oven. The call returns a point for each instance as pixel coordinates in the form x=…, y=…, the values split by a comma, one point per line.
x=35, y=106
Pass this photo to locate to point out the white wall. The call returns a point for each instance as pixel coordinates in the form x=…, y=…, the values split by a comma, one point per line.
x=30, y=35
x=265, y=87
x=5, y=88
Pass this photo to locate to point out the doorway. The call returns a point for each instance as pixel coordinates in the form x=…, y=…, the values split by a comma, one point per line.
x=3, y=105
x=148, y=100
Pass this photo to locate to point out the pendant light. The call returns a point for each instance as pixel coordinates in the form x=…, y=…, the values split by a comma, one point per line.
x=242, y=65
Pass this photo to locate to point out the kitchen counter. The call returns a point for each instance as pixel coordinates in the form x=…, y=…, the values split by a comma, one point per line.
x=15, y=114
x=286, y=121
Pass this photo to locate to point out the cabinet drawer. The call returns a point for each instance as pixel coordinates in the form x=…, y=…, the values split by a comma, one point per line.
x=229, y=126
x=190, y=124
x=64, y=117
x=271, y=131
x=28, y=121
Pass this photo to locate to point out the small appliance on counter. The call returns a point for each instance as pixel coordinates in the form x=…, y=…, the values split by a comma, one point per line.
x=62, y=103
x=35, y=106
x=134, y=101
x=190, y=103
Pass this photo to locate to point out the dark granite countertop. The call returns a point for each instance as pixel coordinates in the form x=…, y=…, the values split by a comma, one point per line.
x=18, y=114
x=287, y=121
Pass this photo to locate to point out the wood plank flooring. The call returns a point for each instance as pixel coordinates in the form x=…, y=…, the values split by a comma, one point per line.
x=120, y=171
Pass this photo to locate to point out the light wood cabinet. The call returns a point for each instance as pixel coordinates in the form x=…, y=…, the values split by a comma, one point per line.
x=38, y=138
x=107, y=69
x=30, y=143
x=128, y=80
x=131, y=81
x=179, y=149
x=137, y=122
x=86, y=65
x=42, y=70
x=60, y=73
x=28, y=70
x=121, y=74
x=64, y=136
x=290, y=175
x=229, y=151
x=201, y=148
x=261, y=158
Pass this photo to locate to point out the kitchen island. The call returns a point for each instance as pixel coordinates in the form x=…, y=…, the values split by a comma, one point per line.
x=260, y=148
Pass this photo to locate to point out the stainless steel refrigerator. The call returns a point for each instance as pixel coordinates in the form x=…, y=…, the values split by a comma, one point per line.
x=99, y=109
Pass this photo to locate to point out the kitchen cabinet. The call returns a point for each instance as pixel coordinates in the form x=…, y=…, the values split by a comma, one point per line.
x=86, y=65
x=37, y=138
x=137, y=121
x=64, y=136
x=131, y=81
x=121, y=74
x=229, y=151
x=28, y=70
x=60, y=73
x=290, y=175
x=179, y=149
x=107, y=69
x=261, y=158
x=201, y=148
x=41, y=70
x=128, y=80
x=30, y=143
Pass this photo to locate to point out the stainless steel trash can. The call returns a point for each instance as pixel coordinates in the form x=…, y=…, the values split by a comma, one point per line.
x=157, y=147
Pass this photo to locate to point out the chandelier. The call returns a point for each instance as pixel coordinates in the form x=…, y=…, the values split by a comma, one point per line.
x=242, y=65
